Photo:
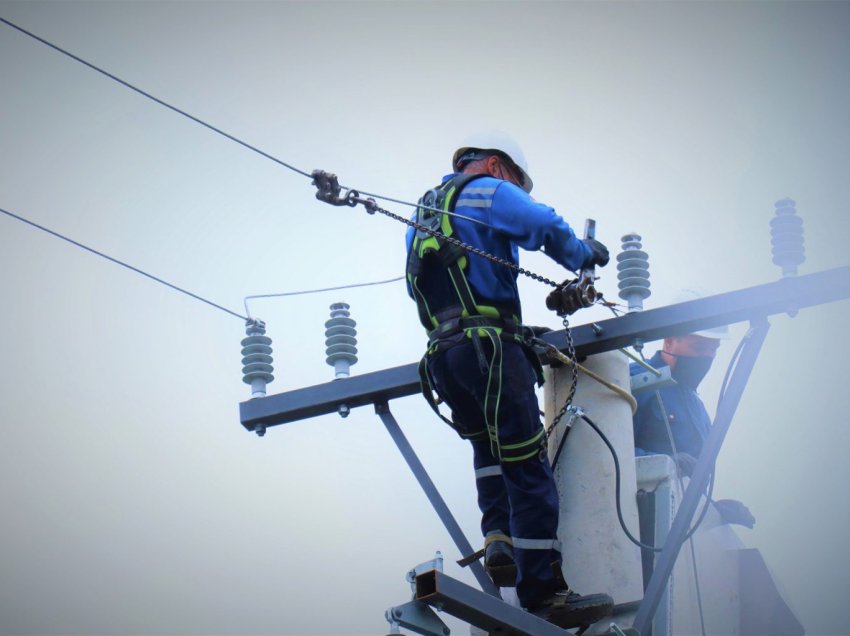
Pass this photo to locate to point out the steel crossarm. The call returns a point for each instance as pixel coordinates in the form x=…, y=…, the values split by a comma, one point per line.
x=783, y=296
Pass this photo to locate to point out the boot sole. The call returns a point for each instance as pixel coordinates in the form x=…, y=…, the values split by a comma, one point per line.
x=579, y=612
x=502, y=575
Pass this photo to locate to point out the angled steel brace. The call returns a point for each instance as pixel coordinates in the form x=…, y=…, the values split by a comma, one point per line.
x=383, y=411
x=699, y=480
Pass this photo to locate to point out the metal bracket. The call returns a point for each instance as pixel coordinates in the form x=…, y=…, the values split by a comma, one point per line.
x=651, y=380
x=418, y=617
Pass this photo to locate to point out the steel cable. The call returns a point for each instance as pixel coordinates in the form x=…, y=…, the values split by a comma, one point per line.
x=155, y=99
x=121, y=263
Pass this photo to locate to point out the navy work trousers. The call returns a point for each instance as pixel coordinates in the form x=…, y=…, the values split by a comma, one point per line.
x=517, y=498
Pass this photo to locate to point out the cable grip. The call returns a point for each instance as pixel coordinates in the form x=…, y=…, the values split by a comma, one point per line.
x=572, y=295
x=329, y=191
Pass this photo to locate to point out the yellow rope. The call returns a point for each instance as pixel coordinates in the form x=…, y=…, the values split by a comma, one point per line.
x=623, y=393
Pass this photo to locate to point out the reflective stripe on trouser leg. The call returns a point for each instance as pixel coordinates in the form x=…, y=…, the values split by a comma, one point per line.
x=533, y=502
x=537, y=544
x=488, y=471
x=492, y=496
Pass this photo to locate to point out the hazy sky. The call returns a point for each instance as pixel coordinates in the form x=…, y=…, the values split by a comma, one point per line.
x=134, y=501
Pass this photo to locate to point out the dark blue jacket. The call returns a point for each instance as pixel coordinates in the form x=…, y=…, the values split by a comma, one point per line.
x=689, y=421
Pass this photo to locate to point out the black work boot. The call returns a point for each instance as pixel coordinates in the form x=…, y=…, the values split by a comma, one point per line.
x=567, y=609
x=500, y=564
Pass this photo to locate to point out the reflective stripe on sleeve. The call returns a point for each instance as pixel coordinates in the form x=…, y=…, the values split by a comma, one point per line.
x=479, y=190
x=475, y=203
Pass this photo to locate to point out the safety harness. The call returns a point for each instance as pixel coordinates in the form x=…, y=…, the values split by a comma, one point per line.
x=449, y=311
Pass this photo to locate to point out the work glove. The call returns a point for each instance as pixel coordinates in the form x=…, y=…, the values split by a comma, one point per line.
x=538, y=331
x=598, y=253
x=733, y=511
x=685, y=462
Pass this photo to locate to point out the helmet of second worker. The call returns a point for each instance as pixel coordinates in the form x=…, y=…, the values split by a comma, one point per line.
x=499, y=142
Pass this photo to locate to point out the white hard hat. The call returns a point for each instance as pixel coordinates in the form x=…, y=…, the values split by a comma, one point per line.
x=720, y=332
x=499, y=142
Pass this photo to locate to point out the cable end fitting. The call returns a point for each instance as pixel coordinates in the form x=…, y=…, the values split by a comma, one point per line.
x=575, y=410
x=328, y=188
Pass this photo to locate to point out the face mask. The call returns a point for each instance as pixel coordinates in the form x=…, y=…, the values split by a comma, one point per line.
x=690, y=370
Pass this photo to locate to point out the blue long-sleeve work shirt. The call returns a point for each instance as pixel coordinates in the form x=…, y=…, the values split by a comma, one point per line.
x=689, y=421
x=508, y=218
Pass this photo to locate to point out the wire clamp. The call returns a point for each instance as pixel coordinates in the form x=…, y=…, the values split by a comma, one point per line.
x=572, y=295
x=329, y=191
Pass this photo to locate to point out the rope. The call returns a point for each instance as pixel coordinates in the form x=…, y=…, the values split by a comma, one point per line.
x=626, y=395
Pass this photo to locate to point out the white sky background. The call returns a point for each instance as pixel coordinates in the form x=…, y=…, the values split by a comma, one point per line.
x=135, y=502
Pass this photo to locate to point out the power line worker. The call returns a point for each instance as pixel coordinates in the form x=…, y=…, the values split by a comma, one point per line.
x=478, y=361
x=673, y=419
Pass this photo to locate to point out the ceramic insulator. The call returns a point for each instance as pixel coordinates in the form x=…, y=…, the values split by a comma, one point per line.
x=633, y=272
x=341, y=340
x=786, y=231
x=257, y=358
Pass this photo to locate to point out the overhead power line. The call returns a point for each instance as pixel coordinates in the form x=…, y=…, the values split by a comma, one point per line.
x=246, y=145
x=316, y=291
x=210, y=126
x=196, y=119
x=153, y=98
x=122, y=263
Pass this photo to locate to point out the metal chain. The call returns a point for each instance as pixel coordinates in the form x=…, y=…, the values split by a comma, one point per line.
x=371, y=208
x=571, y=354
